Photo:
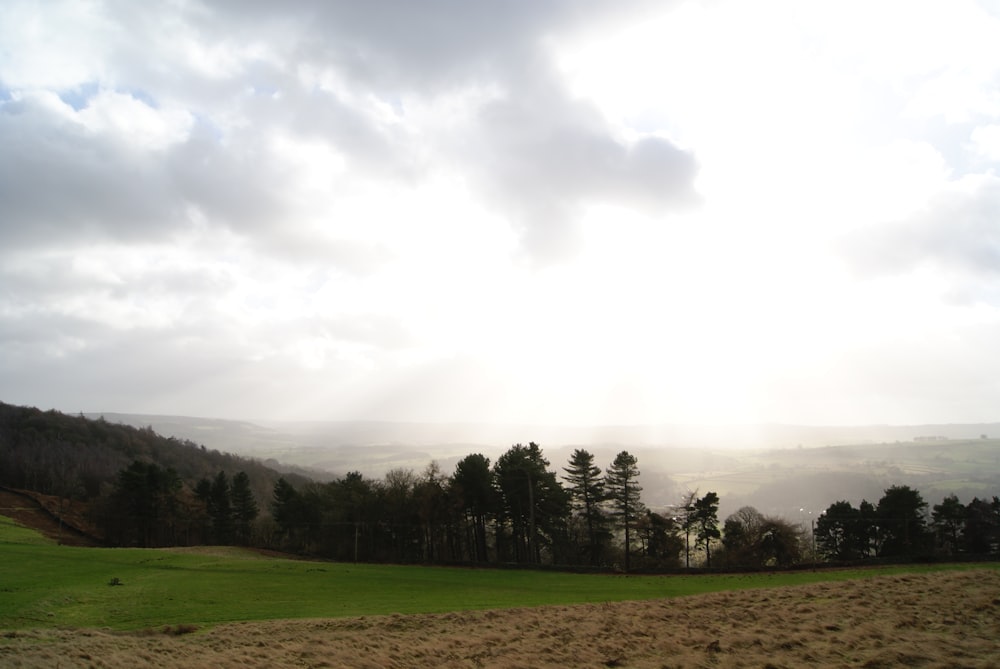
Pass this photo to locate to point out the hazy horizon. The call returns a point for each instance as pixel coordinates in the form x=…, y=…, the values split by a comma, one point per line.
x=501, y=435
x=549, y=213
x=792, y=470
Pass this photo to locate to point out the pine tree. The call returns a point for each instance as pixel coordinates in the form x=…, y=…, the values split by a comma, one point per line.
x=533, y=501
x=623, y=492
x=472, y=483
x=706, y=515
x=585, y=486
x=687, y=518
x=244, y=507
x=220, y=509
x=146, y=504
x=902, y=525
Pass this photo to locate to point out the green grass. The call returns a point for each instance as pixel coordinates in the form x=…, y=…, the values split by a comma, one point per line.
x=44, y=585
x=964, y=486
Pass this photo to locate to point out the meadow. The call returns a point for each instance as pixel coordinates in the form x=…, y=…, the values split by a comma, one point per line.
x=226, y=607
x=46, y=585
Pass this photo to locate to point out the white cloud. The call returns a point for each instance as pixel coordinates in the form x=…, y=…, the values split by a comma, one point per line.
x=958, y=230
x=985, y=141
x=135, y=123
x=55, y=46
x=562, y=211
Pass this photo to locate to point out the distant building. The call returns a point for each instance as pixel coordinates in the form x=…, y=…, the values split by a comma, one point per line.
x=935, y=438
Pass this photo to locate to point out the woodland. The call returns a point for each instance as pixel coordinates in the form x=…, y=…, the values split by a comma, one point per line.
x=125, y=486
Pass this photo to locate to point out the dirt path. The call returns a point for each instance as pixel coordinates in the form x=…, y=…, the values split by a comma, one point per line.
x=936, y=620
x=41, y=513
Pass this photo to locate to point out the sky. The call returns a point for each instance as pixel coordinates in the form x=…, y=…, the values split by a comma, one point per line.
x=572, y=212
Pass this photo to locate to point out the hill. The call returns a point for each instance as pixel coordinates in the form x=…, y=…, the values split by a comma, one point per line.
x=80, y=457
x=60, y=465
x=63, y=521
x=793, y=471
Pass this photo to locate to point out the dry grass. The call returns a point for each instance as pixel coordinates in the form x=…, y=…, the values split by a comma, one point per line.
x=948, y=619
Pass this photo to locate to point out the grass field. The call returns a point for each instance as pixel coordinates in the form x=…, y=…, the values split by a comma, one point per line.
x=43, y=585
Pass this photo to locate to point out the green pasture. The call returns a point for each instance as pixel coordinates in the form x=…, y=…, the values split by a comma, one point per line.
x=731, y=484
x=963, y=487
x=45, y=585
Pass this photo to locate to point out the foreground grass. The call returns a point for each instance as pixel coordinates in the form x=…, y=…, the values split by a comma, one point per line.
x=44, y=585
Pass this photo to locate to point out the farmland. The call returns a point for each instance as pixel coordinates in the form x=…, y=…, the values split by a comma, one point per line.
x=46, y=585
x=229, y=607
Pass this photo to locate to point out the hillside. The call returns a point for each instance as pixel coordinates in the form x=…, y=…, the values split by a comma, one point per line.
x=64, y=521
x=73, y=461
x=779, y=469
x=789, y=470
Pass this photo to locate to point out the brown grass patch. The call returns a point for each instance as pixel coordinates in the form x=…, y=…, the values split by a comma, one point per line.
x=948, y=619
x=41, y=513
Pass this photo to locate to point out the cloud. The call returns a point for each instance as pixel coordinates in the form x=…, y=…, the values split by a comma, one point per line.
x=59, y=179
x=190, y=101
x=959, y=230
x=534, y=151
x=929, y=370
x=985, y=141
x=101, y=364
x=237, y=203
x=118, y=170
x=399, y=45
x=540, y=156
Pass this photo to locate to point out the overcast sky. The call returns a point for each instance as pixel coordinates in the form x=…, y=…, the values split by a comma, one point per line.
x=557, y=211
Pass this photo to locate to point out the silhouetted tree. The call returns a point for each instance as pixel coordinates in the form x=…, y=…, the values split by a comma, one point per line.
x=751, y=539
x=661, y=545
x=948, y=519
x=532, y=500
x=397, y=515
x=623, y=492
x=982, y=526
x=473, y=486
x=840, y=533
x=203, y=492
x=902, y=527
x=434, y=509
x=687, y=518
x=351, y=513
x=244, y=507
x=220, y=509
x=780, y=543
x=741, y=538
x=297, y=515
x=844, y=533
x=145, y=505
x=867, y=528
x=706, y=523
x=283, y=505
x=585, y=486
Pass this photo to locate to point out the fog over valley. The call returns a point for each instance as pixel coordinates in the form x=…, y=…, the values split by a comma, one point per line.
x=794, y=471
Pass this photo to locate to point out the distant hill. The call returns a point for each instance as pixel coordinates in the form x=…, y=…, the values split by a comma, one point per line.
x=793, y=471
x=277, y=437
x=790, y=470
x=57, y=456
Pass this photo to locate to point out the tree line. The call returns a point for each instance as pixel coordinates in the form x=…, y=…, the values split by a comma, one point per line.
x=518, y=510
x=146, y=490
x=515, y=510
x=898, y=526
x=150, y=506
x=81, y=459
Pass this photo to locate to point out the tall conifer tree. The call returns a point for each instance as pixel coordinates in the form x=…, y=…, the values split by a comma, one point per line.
x=585, y=486
x=623, y=492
